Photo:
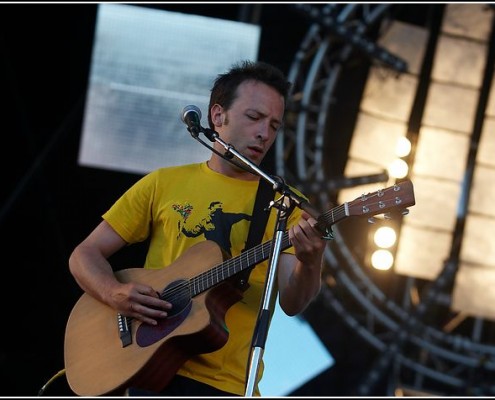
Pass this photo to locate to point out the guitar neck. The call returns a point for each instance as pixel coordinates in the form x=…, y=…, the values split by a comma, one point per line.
x=232, y=266
x=327, y=219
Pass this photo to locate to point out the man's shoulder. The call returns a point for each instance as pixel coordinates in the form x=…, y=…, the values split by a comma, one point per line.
x=169, y=173
x=175, y=169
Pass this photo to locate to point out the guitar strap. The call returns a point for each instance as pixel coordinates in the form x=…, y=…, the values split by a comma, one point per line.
x=258, y=224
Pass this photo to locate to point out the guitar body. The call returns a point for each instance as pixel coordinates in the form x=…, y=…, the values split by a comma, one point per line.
x=96, y=361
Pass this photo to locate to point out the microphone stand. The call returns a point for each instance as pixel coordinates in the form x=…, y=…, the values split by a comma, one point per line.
x=261, y=328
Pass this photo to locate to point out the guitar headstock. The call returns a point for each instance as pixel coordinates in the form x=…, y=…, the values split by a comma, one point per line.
x=397, y=197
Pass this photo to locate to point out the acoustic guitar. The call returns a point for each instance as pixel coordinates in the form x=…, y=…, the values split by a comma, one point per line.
x=106, y=352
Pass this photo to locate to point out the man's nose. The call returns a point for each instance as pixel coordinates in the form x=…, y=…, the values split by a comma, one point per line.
x=264, y=131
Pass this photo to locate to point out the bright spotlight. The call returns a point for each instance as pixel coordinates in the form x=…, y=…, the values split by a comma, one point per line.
x=403, y=147
x=398, y=169
x=385, y=237
x=382, y=260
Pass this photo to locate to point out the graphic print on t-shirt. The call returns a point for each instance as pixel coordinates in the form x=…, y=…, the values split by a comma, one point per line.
x=215, y=226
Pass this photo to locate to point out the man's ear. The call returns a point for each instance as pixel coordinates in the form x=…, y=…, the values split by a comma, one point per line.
x=217, y=115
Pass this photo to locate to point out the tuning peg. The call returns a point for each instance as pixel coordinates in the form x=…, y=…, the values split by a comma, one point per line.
x=371, y=220
x=387, y=216
x=405, y=211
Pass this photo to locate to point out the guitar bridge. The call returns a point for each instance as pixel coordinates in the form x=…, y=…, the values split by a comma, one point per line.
x=124, y=330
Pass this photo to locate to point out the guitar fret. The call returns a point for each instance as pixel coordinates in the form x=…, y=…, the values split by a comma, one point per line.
x=212, y=280
x=197, y=285
x=234, y=265
x=192, y=287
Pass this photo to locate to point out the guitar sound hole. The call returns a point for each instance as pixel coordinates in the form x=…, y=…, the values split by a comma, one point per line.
x=178, y=294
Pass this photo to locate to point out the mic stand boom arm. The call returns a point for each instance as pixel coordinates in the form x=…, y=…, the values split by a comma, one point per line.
x=261, y=328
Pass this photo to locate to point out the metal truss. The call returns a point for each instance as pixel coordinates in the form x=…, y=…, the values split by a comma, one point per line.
x=449, y=354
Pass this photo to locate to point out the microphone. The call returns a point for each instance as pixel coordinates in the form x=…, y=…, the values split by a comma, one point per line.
x=191, y=115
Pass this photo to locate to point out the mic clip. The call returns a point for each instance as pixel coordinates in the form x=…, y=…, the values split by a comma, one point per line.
x=210, y=134
x=194, y=131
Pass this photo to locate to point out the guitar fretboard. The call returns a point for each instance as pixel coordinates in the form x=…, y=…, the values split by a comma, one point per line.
x=232, y=266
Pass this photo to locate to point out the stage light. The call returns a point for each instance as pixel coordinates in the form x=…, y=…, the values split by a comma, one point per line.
x=385, y=237
x=382, y=259
x=398, y=169
x=403, y=147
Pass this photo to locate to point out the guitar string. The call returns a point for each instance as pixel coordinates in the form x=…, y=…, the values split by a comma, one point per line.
x=216, y=274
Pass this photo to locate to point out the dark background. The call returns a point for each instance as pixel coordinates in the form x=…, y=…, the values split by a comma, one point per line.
x=49, y=203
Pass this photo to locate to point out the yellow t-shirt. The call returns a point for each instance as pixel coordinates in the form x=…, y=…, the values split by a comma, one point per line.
x=185, y=205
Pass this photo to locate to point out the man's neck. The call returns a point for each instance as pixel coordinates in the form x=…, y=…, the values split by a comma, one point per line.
x=226, y=168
